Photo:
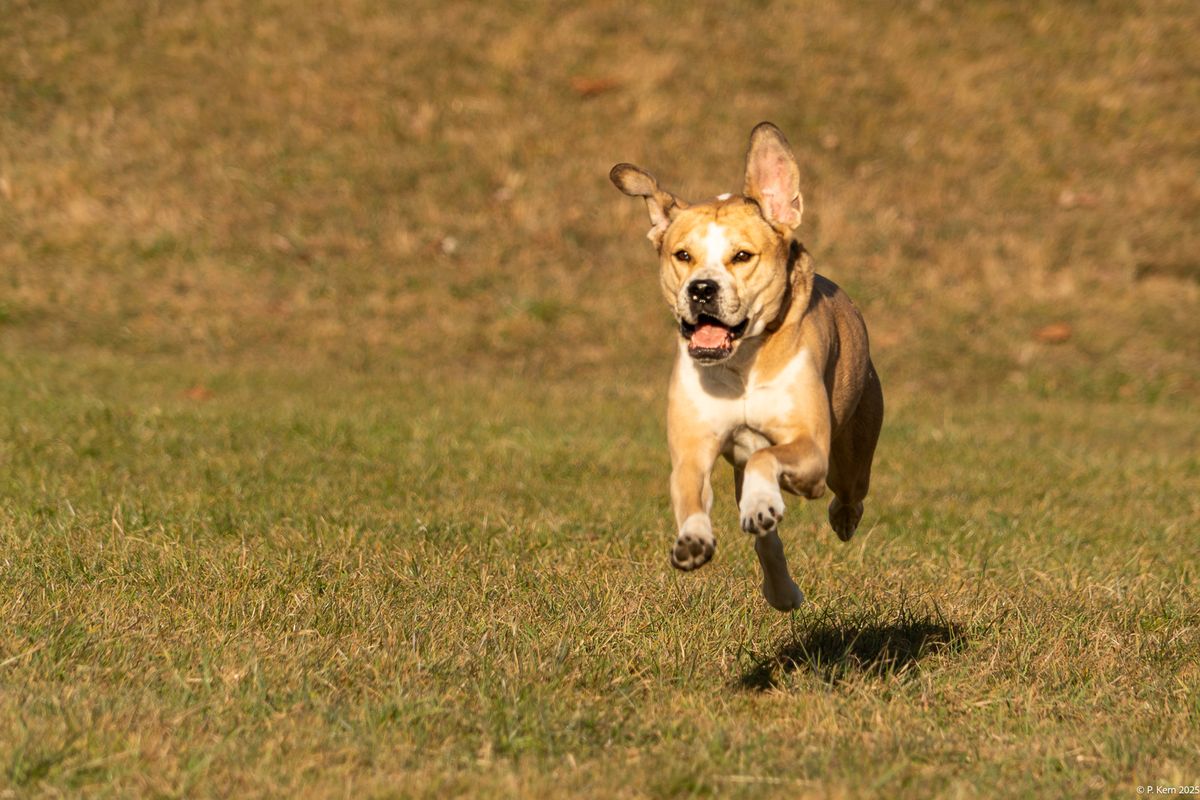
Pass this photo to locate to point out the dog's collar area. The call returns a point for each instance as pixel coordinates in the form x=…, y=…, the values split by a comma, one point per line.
x=795, y=250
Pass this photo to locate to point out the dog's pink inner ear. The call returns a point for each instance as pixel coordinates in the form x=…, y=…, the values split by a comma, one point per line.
x=773, y=178
x=779, y=199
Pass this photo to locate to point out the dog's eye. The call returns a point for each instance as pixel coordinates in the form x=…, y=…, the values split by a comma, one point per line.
x=683, y=255
x=741, y=257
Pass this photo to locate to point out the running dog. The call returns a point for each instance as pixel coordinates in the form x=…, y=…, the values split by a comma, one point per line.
x=773, y=369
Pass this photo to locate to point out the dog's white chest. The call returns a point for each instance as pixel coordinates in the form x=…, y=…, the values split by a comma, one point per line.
x=745, y=412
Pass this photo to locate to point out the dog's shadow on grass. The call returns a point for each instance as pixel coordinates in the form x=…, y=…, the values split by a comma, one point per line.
x=836, y=649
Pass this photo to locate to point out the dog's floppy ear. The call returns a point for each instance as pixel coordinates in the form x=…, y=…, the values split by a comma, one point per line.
x=773, y=178
x=661, y=204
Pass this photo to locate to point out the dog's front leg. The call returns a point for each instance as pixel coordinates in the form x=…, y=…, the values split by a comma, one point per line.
x=692, y=459
x=800, y=466
x=780, y=591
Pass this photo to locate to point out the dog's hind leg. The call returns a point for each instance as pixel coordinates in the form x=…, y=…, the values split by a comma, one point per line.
x=850, y=456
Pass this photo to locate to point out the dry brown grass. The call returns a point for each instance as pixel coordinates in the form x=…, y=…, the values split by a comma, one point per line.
x=229, y=178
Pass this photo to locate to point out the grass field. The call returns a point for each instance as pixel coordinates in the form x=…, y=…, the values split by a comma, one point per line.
x=332, y=375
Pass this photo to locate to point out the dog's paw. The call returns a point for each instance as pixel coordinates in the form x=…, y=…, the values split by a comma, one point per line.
x=695, y=545
x=844, y=518
x=761, y=507
x=783, y=598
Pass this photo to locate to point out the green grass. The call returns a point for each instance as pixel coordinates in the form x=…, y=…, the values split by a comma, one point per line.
x=372, y=582
x=332, y=372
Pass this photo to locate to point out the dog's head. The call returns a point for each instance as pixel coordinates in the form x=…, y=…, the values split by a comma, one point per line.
x=726, y=262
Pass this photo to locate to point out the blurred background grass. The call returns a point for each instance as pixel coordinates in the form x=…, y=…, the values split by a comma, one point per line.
x=332, y=374
x=424, y=184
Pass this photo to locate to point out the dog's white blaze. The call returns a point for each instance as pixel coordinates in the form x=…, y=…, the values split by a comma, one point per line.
x=716, y=245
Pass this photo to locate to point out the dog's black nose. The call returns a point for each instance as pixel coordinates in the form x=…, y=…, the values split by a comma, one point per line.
x=702, y=293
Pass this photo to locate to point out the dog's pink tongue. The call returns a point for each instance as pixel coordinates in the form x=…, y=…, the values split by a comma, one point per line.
x=709, y=337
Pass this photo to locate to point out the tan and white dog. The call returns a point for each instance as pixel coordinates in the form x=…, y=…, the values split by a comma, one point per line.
x=773, y=370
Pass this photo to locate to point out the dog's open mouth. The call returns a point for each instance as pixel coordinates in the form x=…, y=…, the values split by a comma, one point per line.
x=710, y=339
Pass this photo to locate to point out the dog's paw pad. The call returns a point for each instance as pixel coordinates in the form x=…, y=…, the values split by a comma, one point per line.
x=692, y=551
x=844, y=519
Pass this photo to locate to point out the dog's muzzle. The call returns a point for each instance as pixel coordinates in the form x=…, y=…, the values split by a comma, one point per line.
x=709, y=339
x=702, y=296
x=707, y=325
